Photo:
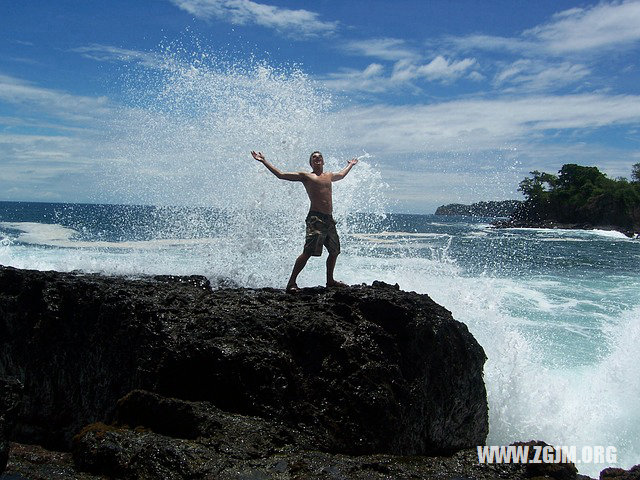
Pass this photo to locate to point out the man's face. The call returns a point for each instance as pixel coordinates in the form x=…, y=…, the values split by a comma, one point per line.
x=316, y=160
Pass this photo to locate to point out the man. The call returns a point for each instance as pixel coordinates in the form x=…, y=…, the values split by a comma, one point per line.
x=321, y=228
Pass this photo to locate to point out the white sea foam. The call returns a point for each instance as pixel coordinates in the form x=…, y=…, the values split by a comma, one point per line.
x=54, y=235
x=41, y=233
x=580, y=233
x=606, y=233
x=589, y=405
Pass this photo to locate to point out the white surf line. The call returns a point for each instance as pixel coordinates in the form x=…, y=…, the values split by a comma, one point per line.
x=40, y=233
x=581, y=232
x=55, y=235
x=399, y=234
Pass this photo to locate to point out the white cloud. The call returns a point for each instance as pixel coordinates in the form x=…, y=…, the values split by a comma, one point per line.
x=600, y=28
x=546, y=56
x=403, y=74
x=530, y=75
x=593, y=30
x=382, y=48
x=55, y=103
x=442, y=69
x=476, y=76
x=108, y=53
x=439, y=69
x=370, y=79
x=294, y=23
x=479, y=124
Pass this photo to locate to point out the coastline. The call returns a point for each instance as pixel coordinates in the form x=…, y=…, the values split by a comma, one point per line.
x=553, y=225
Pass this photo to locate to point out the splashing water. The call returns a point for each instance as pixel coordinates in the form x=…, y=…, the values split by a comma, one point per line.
x=184, y=139
x=364, y=155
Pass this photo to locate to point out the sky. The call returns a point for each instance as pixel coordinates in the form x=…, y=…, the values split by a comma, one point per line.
x=455, y=101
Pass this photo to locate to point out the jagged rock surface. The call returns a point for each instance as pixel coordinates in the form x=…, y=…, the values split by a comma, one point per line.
x=4, y=447
x=360, y=370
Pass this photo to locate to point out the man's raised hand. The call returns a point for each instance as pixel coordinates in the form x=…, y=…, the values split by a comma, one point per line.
x=353, y=161
x=258, y=156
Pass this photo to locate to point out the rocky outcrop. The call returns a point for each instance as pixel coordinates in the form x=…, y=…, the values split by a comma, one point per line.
x=604, y=212
x=502, y=208
x=620, y=474
x=143, y=455
x=359, y=371
x=4, y=447
x=9, y=400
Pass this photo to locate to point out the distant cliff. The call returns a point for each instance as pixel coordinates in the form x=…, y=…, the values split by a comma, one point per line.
x=503, y=208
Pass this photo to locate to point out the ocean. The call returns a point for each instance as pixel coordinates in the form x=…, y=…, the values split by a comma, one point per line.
x=556, y=311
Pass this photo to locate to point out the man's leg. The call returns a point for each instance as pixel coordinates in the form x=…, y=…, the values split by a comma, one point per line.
x=301, y=261
x=331, y=265
x=332, y=243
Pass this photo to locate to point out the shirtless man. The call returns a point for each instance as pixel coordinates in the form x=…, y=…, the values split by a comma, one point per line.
x=321, y=228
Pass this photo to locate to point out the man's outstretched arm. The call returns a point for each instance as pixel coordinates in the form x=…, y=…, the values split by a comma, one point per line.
x=343, y=173
x=291, y=176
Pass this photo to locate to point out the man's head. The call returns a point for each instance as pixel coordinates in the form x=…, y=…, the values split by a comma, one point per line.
x=316, y=160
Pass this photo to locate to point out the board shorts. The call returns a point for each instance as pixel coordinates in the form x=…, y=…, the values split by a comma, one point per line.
x=321, y=231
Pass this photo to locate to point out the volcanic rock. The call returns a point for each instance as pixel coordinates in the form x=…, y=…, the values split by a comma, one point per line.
x=359, y=370
x=4, y=447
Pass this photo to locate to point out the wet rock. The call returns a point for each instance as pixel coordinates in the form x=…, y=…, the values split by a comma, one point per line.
x=367, y=369
x=244, y=435
x=4, y=447
x=620, y=474
x=32, y=462
x=538, y=468
x=10, y=392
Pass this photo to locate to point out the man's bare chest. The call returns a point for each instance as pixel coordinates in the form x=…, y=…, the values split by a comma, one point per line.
x=319, y=184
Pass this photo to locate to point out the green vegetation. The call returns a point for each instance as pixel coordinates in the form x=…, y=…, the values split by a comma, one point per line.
x=582, y=195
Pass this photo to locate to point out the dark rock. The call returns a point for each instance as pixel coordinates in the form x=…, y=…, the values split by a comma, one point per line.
x=244, y=435
x=558, y=471
x=605, y=212
x=4, y=447
x=10, y=393
x=620, y=474
x=142, y=455
x=360, y=370
x=32, y=462
x=502, y=208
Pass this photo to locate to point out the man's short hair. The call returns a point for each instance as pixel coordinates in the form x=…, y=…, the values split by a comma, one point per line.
x=312, y=154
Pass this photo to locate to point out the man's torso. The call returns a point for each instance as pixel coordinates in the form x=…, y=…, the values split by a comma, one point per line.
x=319, y=191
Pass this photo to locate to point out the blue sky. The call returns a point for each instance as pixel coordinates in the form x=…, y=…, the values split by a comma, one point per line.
x=457, y=101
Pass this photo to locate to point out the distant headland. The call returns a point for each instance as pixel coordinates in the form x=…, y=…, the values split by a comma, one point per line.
x=501, y=208
x=578, y=197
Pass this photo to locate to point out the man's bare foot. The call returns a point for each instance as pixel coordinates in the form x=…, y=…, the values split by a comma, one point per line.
x=292, y=287
x=336, y=283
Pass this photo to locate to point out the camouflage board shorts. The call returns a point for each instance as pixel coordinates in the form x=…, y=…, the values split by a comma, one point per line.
x=321, y=230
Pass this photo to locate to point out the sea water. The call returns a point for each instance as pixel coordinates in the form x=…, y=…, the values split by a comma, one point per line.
x=556, y=311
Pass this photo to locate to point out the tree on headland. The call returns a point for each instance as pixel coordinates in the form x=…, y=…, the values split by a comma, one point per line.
x=635, y=172
x=537, y=184
x=581, y=195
